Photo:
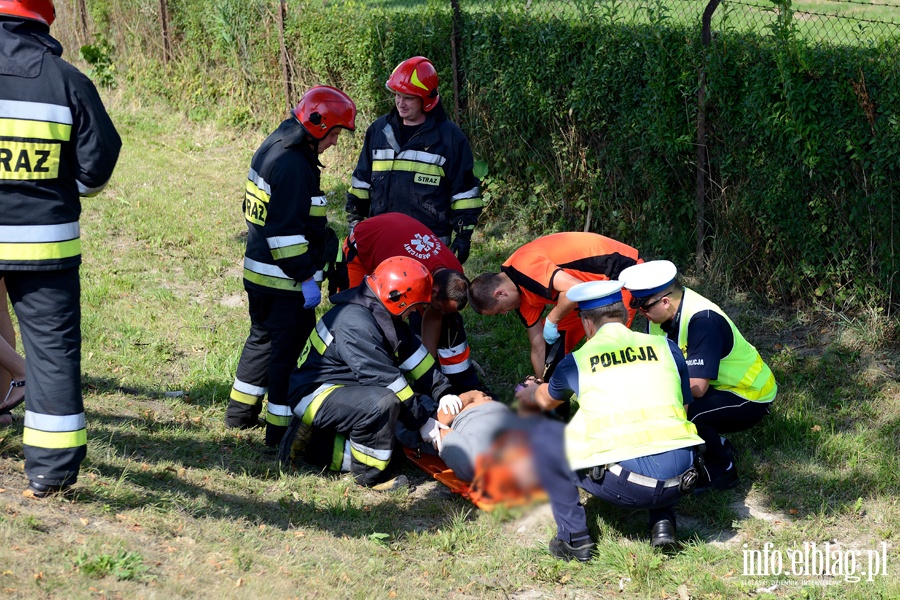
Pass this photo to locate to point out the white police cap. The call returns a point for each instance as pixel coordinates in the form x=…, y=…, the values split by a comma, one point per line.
x=648, y=278
x=594, y=294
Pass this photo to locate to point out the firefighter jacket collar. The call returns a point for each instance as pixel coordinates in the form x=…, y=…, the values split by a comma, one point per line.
x=22, y=46
x=294, y=135
x=364, y=297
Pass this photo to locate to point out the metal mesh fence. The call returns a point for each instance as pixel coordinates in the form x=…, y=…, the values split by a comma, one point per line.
x=835, y=22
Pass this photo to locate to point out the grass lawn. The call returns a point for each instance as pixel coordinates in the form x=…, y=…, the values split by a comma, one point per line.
x=170, y=504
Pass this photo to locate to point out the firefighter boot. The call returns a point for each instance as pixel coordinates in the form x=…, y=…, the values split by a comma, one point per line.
x=274, y=434
x=294, y=443
x=242, y=416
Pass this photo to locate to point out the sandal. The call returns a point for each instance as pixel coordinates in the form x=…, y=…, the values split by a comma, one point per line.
x=8, y=405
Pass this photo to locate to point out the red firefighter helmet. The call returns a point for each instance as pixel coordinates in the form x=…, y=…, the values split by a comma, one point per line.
x=37, y=10
x=400, y=282
x=323, y=108
x=416, y=76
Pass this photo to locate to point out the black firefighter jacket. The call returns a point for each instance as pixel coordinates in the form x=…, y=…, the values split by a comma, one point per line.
x=285, y=213
x=56, y=143
x=429, y=179
x=358, y=342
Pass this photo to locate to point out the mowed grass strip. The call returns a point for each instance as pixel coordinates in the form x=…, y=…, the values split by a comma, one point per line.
x=171, y=504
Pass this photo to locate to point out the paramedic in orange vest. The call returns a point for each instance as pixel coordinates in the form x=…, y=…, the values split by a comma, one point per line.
x=539, y=273
x=732, y=386
x=441, y=326
x=629, y=443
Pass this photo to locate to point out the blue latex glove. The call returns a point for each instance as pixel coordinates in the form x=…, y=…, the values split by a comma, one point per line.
x=551, y=333
x=312, y=295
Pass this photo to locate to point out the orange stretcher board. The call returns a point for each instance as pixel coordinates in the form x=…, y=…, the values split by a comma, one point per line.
x=437, y=468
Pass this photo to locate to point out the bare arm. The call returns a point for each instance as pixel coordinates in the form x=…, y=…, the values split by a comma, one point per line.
x=538, y=349
x=536, y=398
x=469, y=399
x=562, y=282
x=431, y=330
x=699, y=387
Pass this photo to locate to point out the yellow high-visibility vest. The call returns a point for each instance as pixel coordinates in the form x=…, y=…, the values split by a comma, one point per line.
x=630, y=400
x=743, y=371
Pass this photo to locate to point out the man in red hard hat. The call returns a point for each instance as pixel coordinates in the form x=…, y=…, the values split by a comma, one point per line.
x=440, y=325
x=57, y=143
x=287, y=246
x=417, y=162
x=363, y=370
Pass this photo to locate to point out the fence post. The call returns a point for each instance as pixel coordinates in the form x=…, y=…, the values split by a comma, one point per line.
x=82, y=16
x=454, y=49
x=285, y=72
x=164, y=25
x=702, y=154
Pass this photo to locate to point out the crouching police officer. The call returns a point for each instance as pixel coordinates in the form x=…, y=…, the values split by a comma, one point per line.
x=731, y=385
x=630, y=442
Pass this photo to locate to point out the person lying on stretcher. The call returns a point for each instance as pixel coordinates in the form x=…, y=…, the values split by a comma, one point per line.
x=483, y=433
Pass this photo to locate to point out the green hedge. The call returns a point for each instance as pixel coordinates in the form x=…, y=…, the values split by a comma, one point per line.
x=588, y=117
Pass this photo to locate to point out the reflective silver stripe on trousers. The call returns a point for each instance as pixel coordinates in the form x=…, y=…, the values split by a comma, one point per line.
x=304, y=403
x=39, y=233
x=384, y=455
x=54, y=423
x=279, y=410
x=345, y=462
x=246, y=388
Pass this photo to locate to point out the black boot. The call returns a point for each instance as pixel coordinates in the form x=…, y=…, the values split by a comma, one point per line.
x=242, y=416
x=565, y=551
x=662, y=535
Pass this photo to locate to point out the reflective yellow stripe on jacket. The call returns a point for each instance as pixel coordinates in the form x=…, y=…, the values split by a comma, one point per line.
x=39, y=129
x=268, y=275
x=39, y=242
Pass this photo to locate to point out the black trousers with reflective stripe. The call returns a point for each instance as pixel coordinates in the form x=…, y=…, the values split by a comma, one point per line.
x=279, y=327
x=48, y=307
x=367, y=415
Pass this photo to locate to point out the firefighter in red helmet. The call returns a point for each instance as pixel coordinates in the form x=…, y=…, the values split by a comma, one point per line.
x=417, y=162
x=58, y=143
x=287, y=246
x=362, y=372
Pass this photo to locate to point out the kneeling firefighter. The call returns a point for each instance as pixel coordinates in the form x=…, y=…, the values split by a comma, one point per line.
x=363, y=371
